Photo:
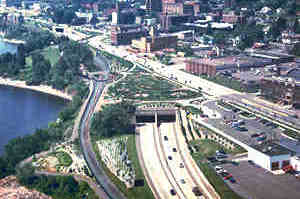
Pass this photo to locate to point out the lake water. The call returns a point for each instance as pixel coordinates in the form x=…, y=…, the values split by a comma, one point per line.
x=6, y=47
x=22, y=111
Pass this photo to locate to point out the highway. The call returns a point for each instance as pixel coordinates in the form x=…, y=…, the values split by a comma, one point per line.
x=110, y=190
x=260, y=106
x=168, y=174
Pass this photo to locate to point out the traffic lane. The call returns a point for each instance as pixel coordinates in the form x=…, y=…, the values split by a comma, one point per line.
x=166, y=164
x=152, y=162
x=180, y=173
x=258, y=183
x=88, y=152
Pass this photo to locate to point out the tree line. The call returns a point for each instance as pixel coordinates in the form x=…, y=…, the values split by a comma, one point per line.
x=113, y=119
x=58, y=187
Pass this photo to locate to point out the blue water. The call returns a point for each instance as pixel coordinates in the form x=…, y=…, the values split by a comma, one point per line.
x=22, y=111
x=6, y=47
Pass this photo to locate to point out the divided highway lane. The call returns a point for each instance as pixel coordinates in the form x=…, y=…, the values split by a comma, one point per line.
x=153, y=163
x=182, y=176
x=110, y=190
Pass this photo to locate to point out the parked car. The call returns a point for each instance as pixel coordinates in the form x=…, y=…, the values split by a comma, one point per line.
x=217, y=168
x=261, y=138
x=251, y=162
x=170, y=157
x=165, y=138
x=181, y=165
x=241, y=128
x=227, y=177
x=220, y=151
x=232, y=180
x=255, y=135
x=174, y=150
x=182, y=181
x=211, y=159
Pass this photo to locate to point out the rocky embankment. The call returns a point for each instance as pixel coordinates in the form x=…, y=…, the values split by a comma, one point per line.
x=11, y=189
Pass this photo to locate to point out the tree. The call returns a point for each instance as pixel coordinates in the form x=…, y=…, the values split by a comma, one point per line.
x=40, y=68
x=21, y=55
x=297, y=27
x=296, y=49
x=113, y=120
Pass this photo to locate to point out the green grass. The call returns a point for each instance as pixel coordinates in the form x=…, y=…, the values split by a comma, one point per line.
x=208, y=148
x=193, y=110
x=135, y=192
x=50, y=53
x=138, y=192
x=64, y=159
x=144, y=86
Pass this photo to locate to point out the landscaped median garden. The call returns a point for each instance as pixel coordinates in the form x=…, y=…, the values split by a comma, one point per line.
x=114, y=144
x=147, y=87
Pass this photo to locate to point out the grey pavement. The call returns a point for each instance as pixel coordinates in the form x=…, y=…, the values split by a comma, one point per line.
x=252, y=125
x=108, y=187
x=254, y=182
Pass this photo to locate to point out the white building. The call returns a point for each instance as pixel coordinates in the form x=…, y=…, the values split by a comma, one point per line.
x=295, y=163
x=270, y=156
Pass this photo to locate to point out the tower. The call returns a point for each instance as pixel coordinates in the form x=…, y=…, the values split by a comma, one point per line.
x=154, y=5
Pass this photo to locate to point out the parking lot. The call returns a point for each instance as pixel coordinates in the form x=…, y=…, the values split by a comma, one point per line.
x=253, y=126
x=254, y=182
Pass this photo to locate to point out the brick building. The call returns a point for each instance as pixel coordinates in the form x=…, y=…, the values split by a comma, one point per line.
x=123, y=34
x=201, y=66
x=282, y=90
x=168, y=21
x=155, y=42
x=233, y=18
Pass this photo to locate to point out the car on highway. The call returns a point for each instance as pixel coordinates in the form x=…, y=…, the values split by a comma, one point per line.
x=172, y=192
x=196, y=191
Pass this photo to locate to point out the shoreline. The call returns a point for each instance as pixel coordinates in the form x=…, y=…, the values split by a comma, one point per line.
x=13, y=41
x=41, y=88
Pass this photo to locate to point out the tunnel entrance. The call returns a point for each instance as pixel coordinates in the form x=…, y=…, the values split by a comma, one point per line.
x=145, y=118
x=166, y=118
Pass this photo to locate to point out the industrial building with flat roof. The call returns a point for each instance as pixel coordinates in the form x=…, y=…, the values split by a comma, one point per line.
x=270, y=156
x=205, y=66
